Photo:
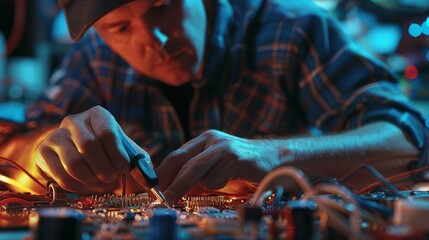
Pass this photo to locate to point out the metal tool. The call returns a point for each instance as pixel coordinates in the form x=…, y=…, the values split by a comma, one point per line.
x=142, y=171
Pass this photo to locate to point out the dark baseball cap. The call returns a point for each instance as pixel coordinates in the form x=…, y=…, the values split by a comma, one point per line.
x=81, y=14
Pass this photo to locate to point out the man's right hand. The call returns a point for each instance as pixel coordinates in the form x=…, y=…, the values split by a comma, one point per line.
x=85, y=152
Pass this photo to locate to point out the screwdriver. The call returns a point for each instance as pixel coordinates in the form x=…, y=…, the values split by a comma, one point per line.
x=142, y=171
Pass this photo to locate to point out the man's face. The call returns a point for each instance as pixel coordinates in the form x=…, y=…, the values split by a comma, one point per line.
x=165, y=42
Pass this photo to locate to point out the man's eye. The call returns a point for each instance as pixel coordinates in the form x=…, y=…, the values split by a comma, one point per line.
x=122, y=28
x=119, y=29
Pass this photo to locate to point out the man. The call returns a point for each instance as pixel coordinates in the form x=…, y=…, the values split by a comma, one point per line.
x=219, y=93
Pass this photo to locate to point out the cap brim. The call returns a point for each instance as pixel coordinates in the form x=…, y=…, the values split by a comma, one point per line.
x=81, y=14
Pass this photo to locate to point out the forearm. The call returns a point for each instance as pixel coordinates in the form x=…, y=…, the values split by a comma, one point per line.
x=381, y=144
x=21, y=151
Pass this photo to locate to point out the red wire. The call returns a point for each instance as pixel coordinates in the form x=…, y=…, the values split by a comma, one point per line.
x=25, y=196
x=18, y=27
x=15, y=200
x=393, y=178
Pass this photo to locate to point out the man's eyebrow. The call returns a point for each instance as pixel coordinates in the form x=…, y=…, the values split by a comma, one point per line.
x=112, y=25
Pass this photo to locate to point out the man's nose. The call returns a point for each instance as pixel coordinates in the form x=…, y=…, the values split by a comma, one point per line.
x=159, y=38
x=155, y=39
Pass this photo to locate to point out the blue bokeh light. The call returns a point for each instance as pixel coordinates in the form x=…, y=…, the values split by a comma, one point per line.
x=425, y=28
x=415, y=30
x=384, y=38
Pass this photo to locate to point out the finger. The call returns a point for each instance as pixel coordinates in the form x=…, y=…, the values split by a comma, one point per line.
x=172, y=164
x=90, y=148
x=191, y=173
x=50, y=163
x=56, y=172
x=106, y=129
x=196, y=190
x=102, y=187
x=212, y=180
x=74, y=164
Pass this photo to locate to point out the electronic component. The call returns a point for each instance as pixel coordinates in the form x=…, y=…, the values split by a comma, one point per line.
x=57, y=223
x=389, y=201
x=162, y=225
x=325, y=210
x=414, y=213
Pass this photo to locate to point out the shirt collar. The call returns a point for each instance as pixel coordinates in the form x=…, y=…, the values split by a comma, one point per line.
x=226, y=13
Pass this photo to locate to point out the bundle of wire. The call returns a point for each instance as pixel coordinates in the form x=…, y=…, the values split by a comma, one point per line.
x=338, y=207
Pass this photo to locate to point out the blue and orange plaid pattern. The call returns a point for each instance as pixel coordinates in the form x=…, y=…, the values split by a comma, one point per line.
x=273, y=71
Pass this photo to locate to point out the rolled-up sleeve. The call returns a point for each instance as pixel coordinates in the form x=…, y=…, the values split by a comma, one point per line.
x=343, y=87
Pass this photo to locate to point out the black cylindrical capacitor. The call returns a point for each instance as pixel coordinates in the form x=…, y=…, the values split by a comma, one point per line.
x=300, y=219
x=162, y=225
x=59, y=223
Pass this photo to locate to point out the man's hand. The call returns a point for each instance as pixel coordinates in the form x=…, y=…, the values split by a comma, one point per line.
x=85, y=153
x=218, y=161
x=215, y=161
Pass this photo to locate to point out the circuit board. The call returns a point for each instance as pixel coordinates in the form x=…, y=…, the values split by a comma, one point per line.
x=111, y=216
x=322, y=210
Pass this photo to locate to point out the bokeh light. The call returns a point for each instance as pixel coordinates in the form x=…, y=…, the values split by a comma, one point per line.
x=425, y=28
x=411, y=72
x=415, y=30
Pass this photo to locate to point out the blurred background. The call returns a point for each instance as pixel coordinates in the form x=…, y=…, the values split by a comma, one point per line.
x=33, y=38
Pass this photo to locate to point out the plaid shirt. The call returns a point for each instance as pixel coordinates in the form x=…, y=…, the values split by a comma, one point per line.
x=273, y=70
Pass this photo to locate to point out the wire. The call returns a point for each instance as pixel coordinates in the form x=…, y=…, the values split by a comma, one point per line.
x=393, y=178
x=294, y=173
x=18, y=26
x=15, y=200
x=374, y=206
x=278, y=196
x=28, y=197
x=263, y=196
x=361, y=203
x=346, y=196
x=393, y=189
x=333, y=210
x=336, y=220
x=19, y=167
